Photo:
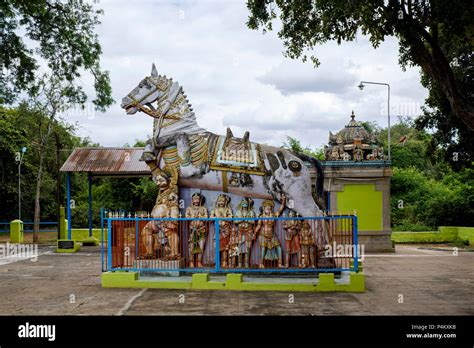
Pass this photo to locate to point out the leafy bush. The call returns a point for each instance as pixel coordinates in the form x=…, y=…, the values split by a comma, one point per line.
x=420, y=203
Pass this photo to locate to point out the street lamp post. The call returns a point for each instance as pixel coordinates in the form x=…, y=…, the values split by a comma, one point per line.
x=361, y=87
x=23, y=150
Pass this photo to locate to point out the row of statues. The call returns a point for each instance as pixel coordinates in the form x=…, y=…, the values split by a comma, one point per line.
x=236, y=237
x=359, y=153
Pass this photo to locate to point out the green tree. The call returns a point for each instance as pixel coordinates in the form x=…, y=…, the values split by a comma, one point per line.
x=64, y=33
x=451, y=138
x=19, y=128
x=423, y=203
x=371, y=126
x=294, y=145
x=58, y=32
x=424, y=30
x=409, y=145
x=50, y=96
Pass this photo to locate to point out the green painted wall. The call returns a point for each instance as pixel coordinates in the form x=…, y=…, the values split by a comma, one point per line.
x=366, y=200
x=83, y=233
x=466, y=233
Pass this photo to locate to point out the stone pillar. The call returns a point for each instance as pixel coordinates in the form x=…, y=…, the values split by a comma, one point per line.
x=16, y=231
x=363, y=187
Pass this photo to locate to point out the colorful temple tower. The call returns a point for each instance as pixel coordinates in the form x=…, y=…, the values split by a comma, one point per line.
x=357, y=178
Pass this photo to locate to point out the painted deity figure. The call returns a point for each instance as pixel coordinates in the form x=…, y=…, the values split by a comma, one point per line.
x=234, y=250
x=269, y=243
x=245, y=230
x=197, y=231
x=307, y=245
x=171, y=228
x=292, y=230
x=334, y=154
x=346, y=156
x=358, y=153
x=222, y=209
x=148, y=233
x=162, y=237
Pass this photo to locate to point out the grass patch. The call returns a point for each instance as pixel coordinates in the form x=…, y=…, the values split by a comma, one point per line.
x=445, y=234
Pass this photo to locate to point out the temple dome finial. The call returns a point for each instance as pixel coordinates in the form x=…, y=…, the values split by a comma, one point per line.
x=352, y=122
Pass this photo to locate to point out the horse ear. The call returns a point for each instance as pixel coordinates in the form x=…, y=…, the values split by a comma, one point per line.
x=154, y=72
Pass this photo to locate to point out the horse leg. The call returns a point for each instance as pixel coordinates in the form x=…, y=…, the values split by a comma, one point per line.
x=187, y=169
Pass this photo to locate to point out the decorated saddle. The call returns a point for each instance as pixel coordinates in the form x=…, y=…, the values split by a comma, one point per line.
x=237, y=155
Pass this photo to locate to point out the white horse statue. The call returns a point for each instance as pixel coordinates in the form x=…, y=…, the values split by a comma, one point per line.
x=220, y=163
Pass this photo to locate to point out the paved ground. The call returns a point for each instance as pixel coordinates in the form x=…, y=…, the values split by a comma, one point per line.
x=430, y=279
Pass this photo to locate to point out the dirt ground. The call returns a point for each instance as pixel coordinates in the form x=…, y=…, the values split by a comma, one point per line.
x=416, y=280
x=44, y=237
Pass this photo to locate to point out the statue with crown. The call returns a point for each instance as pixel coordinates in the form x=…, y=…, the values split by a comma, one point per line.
x=181, y=154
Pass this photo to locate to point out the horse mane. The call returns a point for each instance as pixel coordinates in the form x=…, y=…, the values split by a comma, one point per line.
x=180, y=117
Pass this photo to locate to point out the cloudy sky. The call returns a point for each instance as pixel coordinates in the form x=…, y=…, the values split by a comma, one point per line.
x=236, y=77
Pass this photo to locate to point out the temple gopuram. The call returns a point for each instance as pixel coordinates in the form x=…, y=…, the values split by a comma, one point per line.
x=355, y=143
x=357, y=180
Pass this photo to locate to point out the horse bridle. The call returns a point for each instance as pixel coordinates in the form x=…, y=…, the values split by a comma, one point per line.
x=155, y=114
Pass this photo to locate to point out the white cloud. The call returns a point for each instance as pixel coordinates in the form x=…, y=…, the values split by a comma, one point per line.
x=294, y=76
x=237, y=77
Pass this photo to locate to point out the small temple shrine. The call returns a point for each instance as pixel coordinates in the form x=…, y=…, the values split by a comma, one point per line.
x=354, y=143
x=357, y=180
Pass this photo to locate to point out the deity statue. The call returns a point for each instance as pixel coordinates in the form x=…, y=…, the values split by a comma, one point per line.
x=222, y=209
x=358, y=153
x=171, y=228
x=245, y=230
x=334, y=154
x=162, y=237
x=150, y=242
x=269, y=244
x=307, y=245
x=234, y=251
x=234, y=180
x=197, y=229
x=292, y=240
x=346, y=156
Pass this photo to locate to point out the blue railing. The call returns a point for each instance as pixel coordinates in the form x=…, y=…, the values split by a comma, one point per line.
x=130, y=242
x=45, y=223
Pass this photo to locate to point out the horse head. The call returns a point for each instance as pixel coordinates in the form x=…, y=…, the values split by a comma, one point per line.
x=149, y=90
x=172, y=111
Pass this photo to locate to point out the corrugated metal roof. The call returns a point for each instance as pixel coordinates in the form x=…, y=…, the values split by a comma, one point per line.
x=106, y=161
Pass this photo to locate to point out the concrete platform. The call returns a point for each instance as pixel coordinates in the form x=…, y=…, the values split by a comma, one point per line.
x=429, y=278
x=349, y=282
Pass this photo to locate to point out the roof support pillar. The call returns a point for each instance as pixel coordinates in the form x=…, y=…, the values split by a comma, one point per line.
x=68, y=205
x=89, y=176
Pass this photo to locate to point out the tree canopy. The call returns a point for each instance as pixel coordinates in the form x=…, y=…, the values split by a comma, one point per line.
x=61, y=33
x=435, y=35
x=294, y=145
x=18, y=128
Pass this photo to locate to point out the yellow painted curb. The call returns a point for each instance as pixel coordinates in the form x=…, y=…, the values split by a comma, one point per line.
x=234, y=281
